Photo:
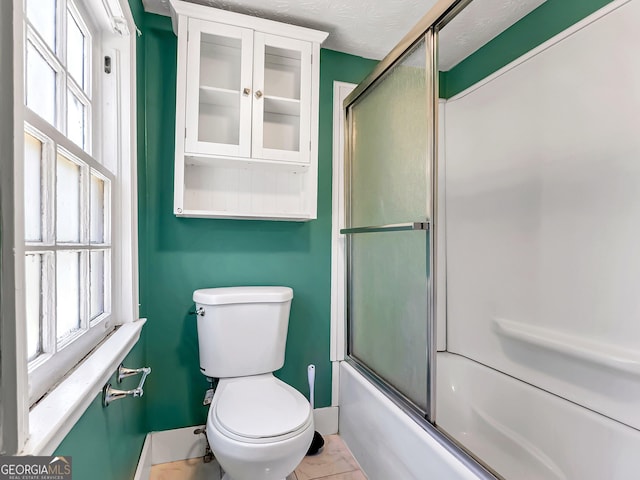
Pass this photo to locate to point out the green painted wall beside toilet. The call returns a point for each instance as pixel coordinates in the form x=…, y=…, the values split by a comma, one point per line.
x=106, y=442
x=185, y=254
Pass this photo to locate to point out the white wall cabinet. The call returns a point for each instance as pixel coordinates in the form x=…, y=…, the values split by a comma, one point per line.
x=246, y=116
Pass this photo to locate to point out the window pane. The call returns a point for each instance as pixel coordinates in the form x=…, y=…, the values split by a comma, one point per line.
x=33, y=294
x=97, y=209
x=67, y=201
x=32, y=188
x=75, y=50
x=96, y=266
x=75, y=119
x=42, y=15
x=67, y=293
x=41, y=85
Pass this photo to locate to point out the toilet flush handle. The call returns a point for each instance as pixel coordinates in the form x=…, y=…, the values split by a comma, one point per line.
x=198, y=311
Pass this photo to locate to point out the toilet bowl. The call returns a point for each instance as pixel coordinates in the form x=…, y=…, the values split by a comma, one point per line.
x=258, y=427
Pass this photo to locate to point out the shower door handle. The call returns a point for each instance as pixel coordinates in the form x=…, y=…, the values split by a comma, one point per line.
x=392, y=227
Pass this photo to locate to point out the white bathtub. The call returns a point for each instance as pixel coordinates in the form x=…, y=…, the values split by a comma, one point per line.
x=525, y=433
x=387, y=443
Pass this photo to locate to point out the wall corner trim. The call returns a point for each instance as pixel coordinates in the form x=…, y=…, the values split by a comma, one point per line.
x=143, y=471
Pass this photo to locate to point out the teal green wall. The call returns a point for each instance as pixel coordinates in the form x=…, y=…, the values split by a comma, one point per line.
x=551, y=18
x=106, y=443
x=184, y=254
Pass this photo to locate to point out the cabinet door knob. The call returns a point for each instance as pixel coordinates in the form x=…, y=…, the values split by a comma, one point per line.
x=258, y=94
x=246, y=91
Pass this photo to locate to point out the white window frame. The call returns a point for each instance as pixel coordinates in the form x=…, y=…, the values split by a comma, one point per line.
x=58, y=61
x=38, y=429
x=59, y=356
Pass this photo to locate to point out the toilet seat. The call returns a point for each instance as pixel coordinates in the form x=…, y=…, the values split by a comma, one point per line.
x=259, y=409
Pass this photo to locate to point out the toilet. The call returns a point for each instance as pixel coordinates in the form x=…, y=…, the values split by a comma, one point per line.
x=258, y=427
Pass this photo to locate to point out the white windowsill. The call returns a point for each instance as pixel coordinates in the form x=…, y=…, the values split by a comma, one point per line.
x=55, y=415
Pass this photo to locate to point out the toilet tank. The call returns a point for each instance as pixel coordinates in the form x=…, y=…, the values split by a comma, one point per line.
x=243, y=330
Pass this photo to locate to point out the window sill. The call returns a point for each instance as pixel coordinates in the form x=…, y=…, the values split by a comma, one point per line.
x=54, y=416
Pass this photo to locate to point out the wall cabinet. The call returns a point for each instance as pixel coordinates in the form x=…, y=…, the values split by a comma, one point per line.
x=246, y=116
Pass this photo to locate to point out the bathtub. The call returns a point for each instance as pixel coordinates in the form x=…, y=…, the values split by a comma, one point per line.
x=525, y=433
x=388, y=444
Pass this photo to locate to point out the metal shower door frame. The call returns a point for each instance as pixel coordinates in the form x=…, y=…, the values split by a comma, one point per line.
x=418, y=225
x=426, y=29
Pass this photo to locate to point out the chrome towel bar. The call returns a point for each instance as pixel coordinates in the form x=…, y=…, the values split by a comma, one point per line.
x=109, y=394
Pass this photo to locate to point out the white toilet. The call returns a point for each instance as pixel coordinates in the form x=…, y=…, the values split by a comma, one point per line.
x=259, y=428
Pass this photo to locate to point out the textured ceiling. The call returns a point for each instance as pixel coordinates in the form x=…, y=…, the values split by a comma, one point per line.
x=365, y=28
x=371, y=28
x=476, y=25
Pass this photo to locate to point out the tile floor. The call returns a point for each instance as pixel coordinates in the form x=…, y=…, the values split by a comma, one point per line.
x=334, y=462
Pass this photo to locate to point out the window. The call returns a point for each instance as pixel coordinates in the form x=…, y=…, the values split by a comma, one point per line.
x=72, y=167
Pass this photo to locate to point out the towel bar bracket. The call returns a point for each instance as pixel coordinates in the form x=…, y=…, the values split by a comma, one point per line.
x=109, y=394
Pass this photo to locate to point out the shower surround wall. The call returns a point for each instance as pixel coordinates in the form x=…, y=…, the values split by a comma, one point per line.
x=541, y=192
x=542, y=378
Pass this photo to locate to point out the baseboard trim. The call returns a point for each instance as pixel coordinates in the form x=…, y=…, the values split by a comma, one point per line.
x=177, y=444
x=143, y=471
x=326, y=420
x=181, y=443
x=169, y=446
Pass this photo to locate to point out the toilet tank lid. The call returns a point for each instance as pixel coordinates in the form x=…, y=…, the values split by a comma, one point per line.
x=227, y=295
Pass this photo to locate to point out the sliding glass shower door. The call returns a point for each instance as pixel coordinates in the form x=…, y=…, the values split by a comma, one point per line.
x=388, y=229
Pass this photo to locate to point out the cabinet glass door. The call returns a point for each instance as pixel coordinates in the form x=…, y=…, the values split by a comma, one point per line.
x=282, y=98
x=218, y=110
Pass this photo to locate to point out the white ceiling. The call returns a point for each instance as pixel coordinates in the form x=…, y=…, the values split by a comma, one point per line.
x=371, y=28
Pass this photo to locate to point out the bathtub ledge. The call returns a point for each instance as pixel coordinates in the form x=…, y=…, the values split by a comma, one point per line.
x=598, y=353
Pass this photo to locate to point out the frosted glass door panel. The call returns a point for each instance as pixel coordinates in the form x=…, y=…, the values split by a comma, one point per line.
x=389, y=150
x=388, y=308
